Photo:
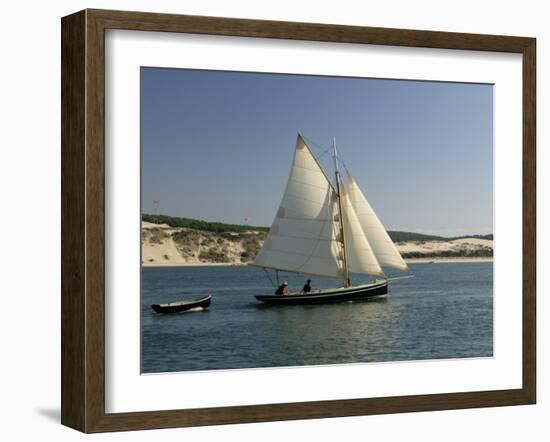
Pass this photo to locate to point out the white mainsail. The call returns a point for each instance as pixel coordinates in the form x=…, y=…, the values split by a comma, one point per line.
x=304, y=235
x=360, y=256
x=381, y=243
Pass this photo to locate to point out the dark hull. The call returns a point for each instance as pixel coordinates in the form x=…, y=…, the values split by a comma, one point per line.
x=357, y=293
x=183, y=306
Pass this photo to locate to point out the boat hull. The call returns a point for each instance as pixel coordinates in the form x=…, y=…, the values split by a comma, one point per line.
x=356, y=293
x=183, y=306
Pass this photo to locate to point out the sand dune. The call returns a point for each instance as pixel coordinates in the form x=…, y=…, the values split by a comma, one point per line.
x=163, y=245
x=431, y=247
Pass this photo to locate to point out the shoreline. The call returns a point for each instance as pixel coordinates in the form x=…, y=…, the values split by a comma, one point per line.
x=435, y=260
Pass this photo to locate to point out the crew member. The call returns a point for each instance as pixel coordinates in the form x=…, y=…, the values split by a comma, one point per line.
x=282, y=289
x=307, y=287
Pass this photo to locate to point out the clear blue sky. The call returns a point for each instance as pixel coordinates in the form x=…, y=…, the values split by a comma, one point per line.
x=218, y=145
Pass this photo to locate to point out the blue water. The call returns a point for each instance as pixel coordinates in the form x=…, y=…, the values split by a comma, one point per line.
x=445, y=311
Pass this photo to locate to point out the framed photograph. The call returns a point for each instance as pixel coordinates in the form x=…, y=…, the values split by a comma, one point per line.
x=269, y=220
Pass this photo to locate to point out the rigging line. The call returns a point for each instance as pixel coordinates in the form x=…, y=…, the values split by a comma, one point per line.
x=324, y=150
x=316, y=145
x=322, y=155
x=268, y=277
x=344, y=164
x=319, y=156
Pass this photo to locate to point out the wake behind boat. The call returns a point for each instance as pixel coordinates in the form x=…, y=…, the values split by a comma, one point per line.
x=321, y=230
x=181, y=306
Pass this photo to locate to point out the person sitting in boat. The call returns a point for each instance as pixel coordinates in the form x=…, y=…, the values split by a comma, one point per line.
x=282, y=289
x=307, y=287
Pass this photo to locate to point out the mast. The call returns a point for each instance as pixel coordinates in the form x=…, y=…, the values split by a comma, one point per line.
x=341, y=214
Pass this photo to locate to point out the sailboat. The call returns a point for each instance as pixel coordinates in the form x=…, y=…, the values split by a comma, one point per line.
x=326, y=230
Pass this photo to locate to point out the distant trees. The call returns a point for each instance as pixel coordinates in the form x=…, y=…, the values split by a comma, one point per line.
x=398, y=236
x=480, y=252
x=196, y=224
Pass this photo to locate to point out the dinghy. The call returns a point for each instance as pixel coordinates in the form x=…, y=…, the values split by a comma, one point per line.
x=324, y=229
x=181, y=306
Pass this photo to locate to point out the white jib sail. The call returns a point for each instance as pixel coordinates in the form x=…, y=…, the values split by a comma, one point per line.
x=381, y=243
x=303, y=236
x=360, y=256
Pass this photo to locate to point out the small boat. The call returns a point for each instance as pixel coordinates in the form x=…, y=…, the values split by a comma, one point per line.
x=323, y=228
x=330, y=296
x=182, y=306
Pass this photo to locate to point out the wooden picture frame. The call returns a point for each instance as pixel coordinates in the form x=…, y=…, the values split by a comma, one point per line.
x=83, y=220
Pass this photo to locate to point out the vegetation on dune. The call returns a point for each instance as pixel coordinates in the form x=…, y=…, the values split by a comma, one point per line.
x=251, y=246
x=155, y=235
x=482, y=252
x=197, y=224
x=213, y=255
x=398, y=236
x=186, y=241
x=207, y=246
x=488, y=236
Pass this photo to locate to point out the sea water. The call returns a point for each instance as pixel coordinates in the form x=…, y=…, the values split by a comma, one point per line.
x=445, y=311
